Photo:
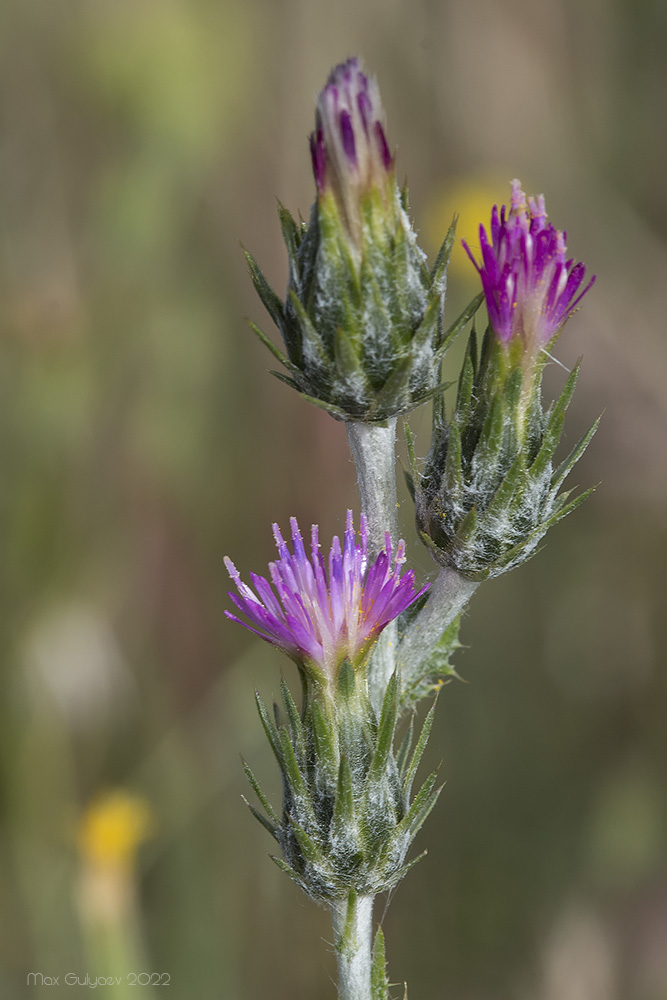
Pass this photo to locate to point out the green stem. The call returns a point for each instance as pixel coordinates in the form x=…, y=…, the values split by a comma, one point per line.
x=352, y=920
x=447, y=597
x=373, y=449
x=374, y=453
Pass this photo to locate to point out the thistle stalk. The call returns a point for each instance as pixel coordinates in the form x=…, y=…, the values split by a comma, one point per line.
x=447, y=597
x=352, y=919
x=373, y=450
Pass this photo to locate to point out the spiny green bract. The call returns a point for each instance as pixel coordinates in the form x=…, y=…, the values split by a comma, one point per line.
x=362, y=322
x=489, y=490
x=347, y=819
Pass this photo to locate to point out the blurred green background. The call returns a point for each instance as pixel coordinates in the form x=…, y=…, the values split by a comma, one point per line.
x=142, y=439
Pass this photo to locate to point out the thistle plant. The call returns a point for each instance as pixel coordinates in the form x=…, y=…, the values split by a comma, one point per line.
x=363, y=329
x=489, y=490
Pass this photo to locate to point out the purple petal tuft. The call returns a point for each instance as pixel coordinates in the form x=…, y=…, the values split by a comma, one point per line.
x=528, y=284
x=321, y=618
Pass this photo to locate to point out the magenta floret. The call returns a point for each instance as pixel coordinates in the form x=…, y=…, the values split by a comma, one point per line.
x=529, y=286
x=323, y=613
x=349, y=146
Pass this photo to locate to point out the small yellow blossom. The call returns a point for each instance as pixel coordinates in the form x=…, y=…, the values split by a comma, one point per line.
x=111, y=829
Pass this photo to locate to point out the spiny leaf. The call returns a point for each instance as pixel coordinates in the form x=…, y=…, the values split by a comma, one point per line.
x=412, y=459
x=290, y=230
x=466, y=381
x=490, y=347
x=295, y=724
x=565, y=467
x=523, y=550
x=434, y=549
x=404, y=750
x=578, y=500
x=420, y=802
x=277, y=353
x=394, y=393
x=286, y=379
x=335, y=411
x=410, y=483
x=459, y=323
x=528, y=546
x=271, y=827
x=284, y=867
x=256, y=787
x=436, y=391
x=269, y=729
x=427, y=328
x=410, y=445
x=379, y=982
x=325, y=745
x=420, y=815
x=513, y=390
x=343, y=815
x=554, y=427
x=346, y=939
x=291, y=769
x=307, y=329
x=346, y=684
x=473, y=348
x=441, y=262
x=402, y=872
x=418, y=751
x=560, y=501
x=307, y=845
x=270, y=300
x=347, y=355
x=386, y=729
x=491, y=439
x=467, y=527
x=505, y=492
x=453, y=474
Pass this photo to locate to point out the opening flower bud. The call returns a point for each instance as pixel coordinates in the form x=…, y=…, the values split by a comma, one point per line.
x=363, y=318
x=529, y=286
x=349, y=148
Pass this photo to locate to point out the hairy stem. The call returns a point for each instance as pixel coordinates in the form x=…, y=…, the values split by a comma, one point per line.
x=374, y=452
x=447, y=598
x=352, y=920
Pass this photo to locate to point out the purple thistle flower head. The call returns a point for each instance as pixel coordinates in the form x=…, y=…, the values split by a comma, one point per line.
x=349, y=148
x=529, y=286
x=322, y=613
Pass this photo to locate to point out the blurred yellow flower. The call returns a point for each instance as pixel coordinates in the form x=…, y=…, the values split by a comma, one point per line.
x=111, y=829
x=471, y=198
